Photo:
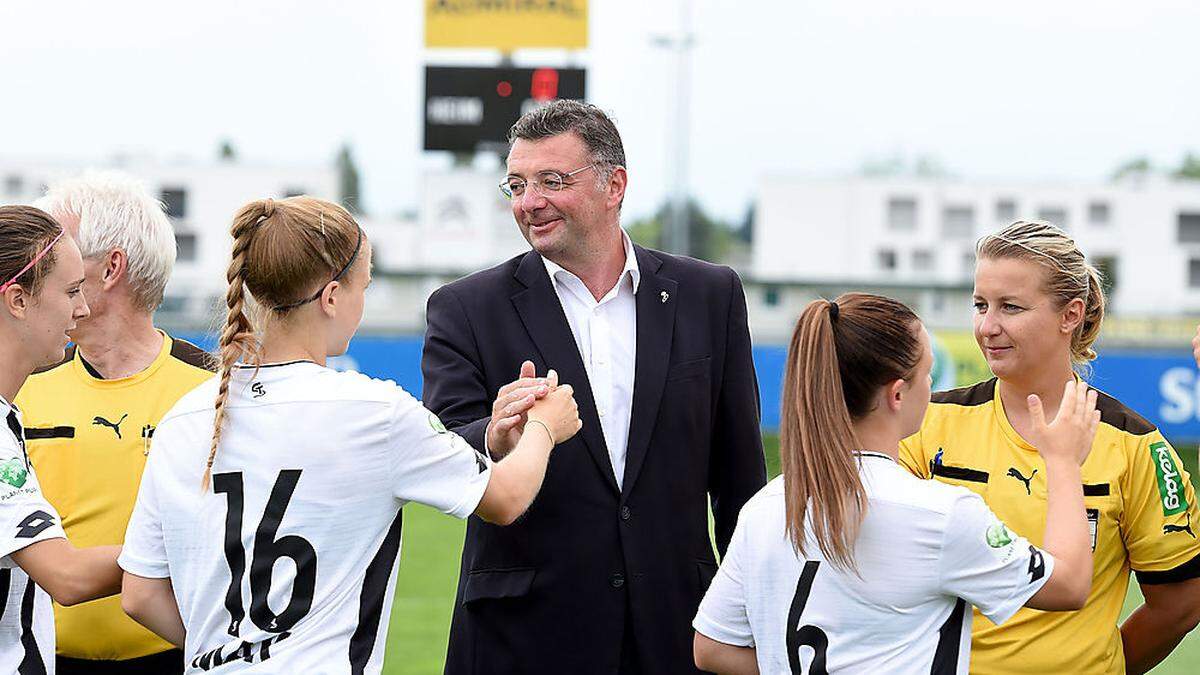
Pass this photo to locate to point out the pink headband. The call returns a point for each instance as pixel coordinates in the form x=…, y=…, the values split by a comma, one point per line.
x=36, y=258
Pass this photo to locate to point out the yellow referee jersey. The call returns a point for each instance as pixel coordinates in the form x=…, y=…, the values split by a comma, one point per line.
x=88, y=439
x=1140, y=505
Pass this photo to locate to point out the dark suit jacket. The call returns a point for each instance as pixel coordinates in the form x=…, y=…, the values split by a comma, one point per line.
x=550, y=593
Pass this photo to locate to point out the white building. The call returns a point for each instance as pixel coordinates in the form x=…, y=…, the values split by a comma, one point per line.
x=200, y=199
x=921, y=233
x=465, y=225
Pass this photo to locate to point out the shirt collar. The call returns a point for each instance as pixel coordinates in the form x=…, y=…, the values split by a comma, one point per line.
x=631, y=265
x=9, y=408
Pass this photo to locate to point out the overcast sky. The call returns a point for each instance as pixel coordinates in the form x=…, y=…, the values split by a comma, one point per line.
x=1045, y=90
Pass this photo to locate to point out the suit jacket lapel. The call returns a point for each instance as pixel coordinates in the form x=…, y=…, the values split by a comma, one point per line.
x=656, y=302
x=543, y=316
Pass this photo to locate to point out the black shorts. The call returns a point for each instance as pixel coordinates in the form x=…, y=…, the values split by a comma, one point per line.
x=165, y=663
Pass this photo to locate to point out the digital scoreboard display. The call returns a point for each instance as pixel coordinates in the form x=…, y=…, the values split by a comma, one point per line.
x=469, y=108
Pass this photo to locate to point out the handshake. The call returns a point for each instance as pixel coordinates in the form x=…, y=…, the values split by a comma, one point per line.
x=540, y=401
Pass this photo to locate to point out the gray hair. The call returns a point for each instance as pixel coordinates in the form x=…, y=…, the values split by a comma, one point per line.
x=590, y=123
x=115, y=211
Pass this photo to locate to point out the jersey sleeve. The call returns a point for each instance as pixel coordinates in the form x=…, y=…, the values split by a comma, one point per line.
x=988, y=565
x=144, y=552
x=25, y=515
x=723, y=615
x=912, y=455
x=431, y=465
x=1159, y=520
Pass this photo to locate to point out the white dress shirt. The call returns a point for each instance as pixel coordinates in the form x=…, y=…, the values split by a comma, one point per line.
x=606, y=333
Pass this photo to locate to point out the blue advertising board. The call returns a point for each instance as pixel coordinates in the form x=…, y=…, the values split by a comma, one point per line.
x=1163, y=387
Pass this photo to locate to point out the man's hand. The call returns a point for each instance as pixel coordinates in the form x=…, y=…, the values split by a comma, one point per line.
x=512, y=403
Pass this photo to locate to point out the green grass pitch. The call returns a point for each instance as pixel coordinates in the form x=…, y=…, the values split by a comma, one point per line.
x=429, y=572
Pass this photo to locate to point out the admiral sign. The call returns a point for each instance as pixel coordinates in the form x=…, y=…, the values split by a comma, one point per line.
x=506, y=24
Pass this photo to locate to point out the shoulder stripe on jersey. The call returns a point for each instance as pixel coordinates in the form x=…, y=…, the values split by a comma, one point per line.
x=42, y=433
x=1117, y=414
x=5, y=580
x=1186, y=571
x=192, y=355
x=31, y=663
x=370, y=603
x=960, y=473
x=976, y=394
x=945, y=658
x=1096, y=490
x=67, y=357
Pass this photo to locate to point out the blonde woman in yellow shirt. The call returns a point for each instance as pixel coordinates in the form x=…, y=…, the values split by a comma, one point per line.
x=1038, y=310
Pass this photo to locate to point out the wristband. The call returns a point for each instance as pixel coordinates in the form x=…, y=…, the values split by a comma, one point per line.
x=548, y=432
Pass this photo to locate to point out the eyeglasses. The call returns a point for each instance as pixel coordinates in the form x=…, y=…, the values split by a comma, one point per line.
x=544, y=183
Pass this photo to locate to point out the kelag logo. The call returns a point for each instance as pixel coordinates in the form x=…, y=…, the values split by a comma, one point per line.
x=1170, y=484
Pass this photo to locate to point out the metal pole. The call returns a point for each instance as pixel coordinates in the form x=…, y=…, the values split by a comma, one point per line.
x=677, y=169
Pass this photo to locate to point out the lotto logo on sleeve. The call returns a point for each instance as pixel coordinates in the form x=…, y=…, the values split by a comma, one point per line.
x=1170, y=480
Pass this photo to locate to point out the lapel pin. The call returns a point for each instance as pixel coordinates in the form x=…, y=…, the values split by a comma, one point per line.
x=665, y=296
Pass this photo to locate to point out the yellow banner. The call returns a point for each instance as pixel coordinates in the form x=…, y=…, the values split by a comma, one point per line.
x=506, y=24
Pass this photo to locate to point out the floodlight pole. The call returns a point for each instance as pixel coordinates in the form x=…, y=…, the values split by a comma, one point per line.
x=679, y=120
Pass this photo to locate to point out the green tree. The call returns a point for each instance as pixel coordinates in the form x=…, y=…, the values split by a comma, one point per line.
x=708, y=238
x=1190, y=167
x=1138, y=166
x=226, y=153
x=348, y=189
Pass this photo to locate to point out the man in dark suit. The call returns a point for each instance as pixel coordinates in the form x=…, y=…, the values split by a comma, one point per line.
x=605, y=571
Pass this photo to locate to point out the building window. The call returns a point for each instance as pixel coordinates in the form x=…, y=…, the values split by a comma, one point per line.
x=771, y=296
x=968, y=264
x=175, y=199
x=887, y=260
x=185, y=246
x=294, y=192
x=1194, y=273
x=1055, y=215
x=958, y=222
x=13, y=185
x=1189, y=228
x=922, y=260
x=1006, y=211
x=902, y=213
x=1098, y=213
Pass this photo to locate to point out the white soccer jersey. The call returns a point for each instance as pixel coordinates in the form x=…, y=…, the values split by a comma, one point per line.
x=288, y=562
x=925, y=551
x=26, y=618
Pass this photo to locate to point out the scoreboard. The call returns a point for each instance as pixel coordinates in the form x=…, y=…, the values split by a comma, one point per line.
x=471, y=108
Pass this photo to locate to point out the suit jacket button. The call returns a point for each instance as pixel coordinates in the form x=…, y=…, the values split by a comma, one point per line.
x=617, y=580
x=625, y=513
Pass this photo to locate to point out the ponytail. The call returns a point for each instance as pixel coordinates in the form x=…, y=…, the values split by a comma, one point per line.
x=841, y=353
x=818, y=461
x=237, y=337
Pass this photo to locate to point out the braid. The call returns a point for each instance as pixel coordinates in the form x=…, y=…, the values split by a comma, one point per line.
x=238, y=334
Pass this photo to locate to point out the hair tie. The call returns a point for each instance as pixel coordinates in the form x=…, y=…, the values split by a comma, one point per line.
x=833, y=310
x=268, y=208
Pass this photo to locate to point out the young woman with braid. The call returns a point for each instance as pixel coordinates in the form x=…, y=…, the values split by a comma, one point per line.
x=267, y=527
x=847, y=563
x=1038, y=310
x=41, y=272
